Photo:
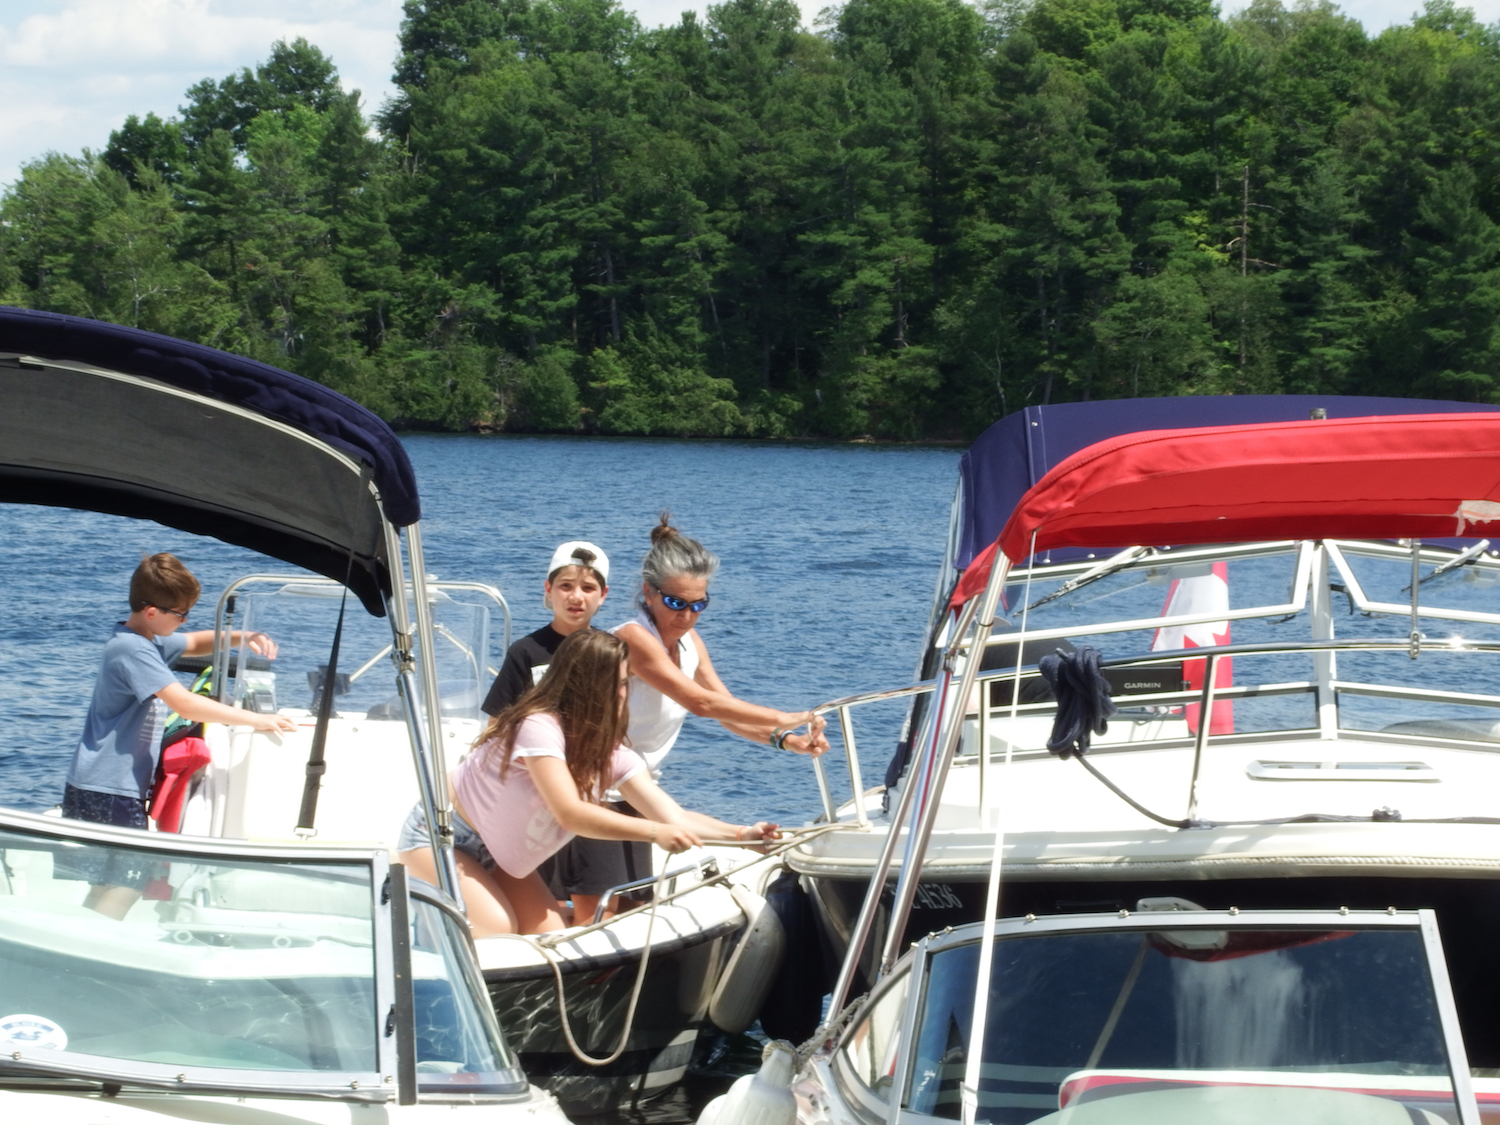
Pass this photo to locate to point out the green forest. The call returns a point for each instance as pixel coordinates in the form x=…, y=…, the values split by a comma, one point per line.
x=902, y=223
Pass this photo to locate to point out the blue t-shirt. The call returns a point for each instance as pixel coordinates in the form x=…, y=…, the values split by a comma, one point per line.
x=122, y=733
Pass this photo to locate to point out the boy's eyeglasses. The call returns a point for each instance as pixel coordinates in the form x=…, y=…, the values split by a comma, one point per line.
x=181, y=615
x=676, y=604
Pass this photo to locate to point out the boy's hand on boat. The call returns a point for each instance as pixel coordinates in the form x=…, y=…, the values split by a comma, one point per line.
x=261, y=645
x=269, y=723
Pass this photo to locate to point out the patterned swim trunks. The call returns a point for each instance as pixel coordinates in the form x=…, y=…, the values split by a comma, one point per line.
x=115, y=867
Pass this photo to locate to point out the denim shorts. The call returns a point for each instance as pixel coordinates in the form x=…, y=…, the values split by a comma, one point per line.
x=414, y=834
x=116, y=867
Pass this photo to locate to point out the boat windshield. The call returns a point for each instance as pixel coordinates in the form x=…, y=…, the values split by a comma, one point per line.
x=302, y=615
x=228, y=972
x=1285, y=1025
x=459, y=1046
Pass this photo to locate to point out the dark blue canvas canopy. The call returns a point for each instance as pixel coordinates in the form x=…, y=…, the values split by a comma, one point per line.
x=113, y=419
x=1017, y=451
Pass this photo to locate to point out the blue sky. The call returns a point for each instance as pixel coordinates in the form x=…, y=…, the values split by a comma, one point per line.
x=72, y=70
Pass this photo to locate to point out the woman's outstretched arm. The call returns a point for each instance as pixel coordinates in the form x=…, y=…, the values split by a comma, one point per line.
x=707, y=697
x=813, y=742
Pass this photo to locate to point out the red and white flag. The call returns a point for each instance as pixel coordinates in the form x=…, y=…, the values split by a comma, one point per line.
x=1204, y=593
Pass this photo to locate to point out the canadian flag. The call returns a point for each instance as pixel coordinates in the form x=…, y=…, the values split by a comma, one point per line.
x=1204, y=593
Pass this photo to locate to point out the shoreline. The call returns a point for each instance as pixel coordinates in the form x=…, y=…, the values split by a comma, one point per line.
x=737, y=439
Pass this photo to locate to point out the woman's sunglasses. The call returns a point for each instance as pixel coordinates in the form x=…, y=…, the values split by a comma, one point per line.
x=676, y=604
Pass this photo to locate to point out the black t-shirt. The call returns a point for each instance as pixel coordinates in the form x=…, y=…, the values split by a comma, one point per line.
x=525, y=662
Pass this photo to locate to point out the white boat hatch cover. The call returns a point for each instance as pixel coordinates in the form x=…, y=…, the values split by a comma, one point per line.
x=1341, y=771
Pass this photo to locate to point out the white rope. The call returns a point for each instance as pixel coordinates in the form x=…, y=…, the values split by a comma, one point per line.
x=830, y=1028
x=635, y=992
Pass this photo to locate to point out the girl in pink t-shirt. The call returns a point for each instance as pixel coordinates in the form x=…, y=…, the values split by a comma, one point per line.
x=535, y=779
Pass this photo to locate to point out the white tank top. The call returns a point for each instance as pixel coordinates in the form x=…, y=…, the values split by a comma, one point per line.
x=656, y=719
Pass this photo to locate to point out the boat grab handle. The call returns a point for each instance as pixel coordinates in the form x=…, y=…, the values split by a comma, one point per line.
x=637, y=884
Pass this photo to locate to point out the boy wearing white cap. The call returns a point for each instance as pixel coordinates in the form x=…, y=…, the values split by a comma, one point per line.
x=577, y=581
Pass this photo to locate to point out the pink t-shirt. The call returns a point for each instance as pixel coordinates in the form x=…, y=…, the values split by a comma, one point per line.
x=510, y=816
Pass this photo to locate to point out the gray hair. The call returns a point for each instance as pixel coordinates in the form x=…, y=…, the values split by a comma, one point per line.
x=674, y=555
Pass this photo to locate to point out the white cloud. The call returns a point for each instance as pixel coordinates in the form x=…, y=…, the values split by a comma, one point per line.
x=75, y=69
x=135, y=36
x=1377, y=15
x=71, y=71
x=33, y=131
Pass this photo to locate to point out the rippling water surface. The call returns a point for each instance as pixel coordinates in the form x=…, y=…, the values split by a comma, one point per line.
x=829, y=563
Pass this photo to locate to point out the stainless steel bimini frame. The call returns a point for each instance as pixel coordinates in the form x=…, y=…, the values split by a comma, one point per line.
x=843, y=707
x=1326, y=689
x=222, y=617
x=261, y=459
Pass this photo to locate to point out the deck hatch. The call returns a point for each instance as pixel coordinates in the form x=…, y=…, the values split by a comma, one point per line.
x=1341, y=771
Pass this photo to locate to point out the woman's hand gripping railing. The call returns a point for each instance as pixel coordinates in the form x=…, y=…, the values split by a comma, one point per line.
x=851, y=752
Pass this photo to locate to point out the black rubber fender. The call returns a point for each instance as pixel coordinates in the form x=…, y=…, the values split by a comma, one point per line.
x=794, y=1004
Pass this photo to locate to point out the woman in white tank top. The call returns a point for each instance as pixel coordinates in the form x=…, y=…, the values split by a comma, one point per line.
x=655, y=718
x=670, y=672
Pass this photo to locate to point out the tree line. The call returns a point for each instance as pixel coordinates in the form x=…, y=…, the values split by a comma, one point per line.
x=905, y=222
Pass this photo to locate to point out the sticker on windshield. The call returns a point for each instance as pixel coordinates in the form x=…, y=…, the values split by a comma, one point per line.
x=36, y=1032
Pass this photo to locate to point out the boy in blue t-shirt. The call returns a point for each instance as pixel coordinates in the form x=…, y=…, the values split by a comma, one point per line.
x=115, y=763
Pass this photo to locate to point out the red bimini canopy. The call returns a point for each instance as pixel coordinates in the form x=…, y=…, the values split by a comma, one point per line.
x=1417, y=476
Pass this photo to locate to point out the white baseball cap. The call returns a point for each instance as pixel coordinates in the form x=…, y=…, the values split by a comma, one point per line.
x=566, y=555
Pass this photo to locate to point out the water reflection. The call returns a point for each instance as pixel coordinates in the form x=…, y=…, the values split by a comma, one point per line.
x=718, y=1060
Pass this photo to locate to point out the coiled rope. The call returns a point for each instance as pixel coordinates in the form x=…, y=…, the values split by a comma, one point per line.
x=1083, y=710
x=1083, y=703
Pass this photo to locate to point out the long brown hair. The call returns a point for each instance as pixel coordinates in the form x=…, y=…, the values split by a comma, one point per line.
x=580, y=687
